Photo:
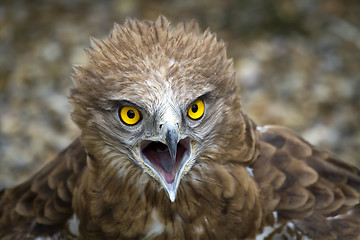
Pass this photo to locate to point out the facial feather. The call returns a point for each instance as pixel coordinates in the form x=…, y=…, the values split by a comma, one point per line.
x=152, y=65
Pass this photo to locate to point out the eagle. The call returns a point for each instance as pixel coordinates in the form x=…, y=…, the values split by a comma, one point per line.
x=166, y=152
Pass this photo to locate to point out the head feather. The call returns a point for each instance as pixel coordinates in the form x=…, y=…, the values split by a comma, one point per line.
x=140, y=55
x=136, y=44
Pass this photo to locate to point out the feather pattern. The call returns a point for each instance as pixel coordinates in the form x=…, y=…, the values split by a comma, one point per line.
x=310, y=187
x=42, y=205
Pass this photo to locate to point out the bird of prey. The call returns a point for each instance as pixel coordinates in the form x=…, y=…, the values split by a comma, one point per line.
x=166, y=152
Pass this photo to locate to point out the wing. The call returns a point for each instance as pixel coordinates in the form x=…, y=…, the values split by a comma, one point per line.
x=316, y=191
x=42, y=205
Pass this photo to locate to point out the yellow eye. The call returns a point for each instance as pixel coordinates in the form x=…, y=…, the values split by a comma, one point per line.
x=129, y=115
x=196, y=110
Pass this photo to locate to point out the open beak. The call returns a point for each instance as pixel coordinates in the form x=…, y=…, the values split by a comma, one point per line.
x=167, y=157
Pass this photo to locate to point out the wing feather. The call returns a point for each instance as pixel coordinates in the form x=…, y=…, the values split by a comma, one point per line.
x=318, y=192
x=43, y=204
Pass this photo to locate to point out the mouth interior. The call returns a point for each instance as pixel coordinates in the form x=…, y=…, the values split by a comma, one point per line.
x=158, y=155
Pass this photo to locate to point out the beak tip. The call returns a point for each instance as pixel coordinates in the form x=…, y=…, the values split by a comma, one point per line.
x=172, y=196
x=171, y=189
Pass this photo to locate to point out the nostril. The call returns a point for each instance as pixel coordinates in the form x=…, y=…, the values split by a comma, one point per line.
x=160, y=126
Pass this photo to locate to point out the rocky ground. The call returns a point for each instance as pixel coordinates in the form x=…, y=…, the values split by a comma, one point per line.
x=298, y=63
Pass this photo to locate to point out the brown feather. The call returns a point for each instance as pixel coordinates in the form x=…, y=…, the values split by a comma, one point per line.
x=317, y=186
x=36, y=207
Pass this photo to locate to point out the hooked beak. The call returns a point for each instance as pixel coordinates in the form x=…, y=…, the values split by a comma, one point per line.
x=167, y=157
x=171, y=140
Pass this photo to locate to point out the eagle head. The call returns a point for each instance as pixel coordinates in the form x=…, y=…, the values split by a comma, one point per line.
x=154, y=100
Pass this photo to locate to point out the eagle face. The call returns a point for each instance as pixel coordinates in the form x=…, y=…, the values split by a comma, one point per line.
x=166, y=140
x=154, y=97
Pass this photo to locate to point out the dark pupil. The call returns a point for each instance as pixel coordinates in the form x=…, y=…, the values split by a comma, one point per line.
x=131, y=114
x=194, y=108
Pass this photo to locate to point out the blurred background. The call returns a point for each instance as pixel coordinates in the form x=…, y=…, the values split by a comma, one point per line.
x=298, y=62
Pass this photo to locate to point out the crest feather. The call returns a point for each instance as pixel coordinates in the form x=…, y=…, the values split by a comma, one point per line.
x=137, y=51
x=137, y=40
